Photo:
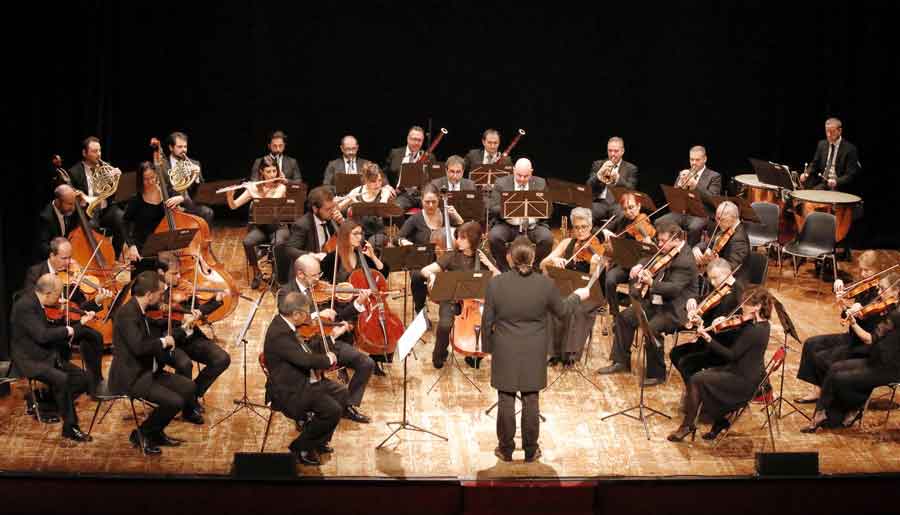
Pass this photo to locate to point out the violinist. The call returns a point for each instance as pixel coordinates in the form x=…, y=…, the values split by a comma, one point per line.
x=462, y=258
x=570, y=334
x=37, y=351
x=374, y=188
x=311, y=232
x=721, y=390
x=145, y=209
x=454, y=180
x=703, y=181
x=411, y=153
x=260, y=233
x=178, y=146
x=306, y=280
x=57, y=218
x=690, y=358
x=422, y=228
x=349, y=162
x=90, y=342
x=665, y=301
x=287, y=166
x=612, y=171
x=729, y=237
x=631, y=224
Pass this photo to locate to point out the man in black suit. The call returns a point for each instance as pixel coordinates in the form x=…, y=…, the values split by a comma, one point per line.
x=836, y=162
x=349, y=162
x=307, y=272
x=611, y=171
x=287, y=165
x=178, y=145
x=706, y=184
x=292, y=384
x=454, y=180
x=37, y=350
x=310, y=232
x=58, y=218
x=504, y=231
x=489, y=154
x=664, y=304
x=107, y=215
x=137, y=365
x=737, y=248
x=90, y=342
x=399, y=156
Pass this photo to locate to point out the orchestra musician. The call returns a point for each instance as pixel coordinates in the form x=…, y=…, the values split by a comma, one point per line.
x=504, y=231
x=569, y=335
x=178, y=146
x=310, y=232
x=293, y=384
x=488, y=154
x=835, y=164
x=287, y=166
x=462, y=257
x=374, y=188
x=307, y=272
x=454, y=180
x=38, y=350
x=514, y=324
x=57, y=218
x=665, y=303
x=137, y=365
x=145, y=209
x=260, y=233
x=349, y=162
x=612, y=171
x=411, y=153
x=736, y=248
x=706, y=183
x=636, y=229
x=720, y=390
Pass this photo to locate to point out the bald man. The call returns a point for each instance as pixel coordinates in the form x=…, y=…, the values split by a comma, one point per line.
x=349, y=162
x=737, y=247
x=56, y=219
x=504, y=231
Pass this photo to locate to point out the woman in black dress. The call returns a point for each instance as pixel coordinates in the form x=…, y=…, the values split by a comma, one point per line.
x=374, y=188
x=721, y=390
x=145, y=209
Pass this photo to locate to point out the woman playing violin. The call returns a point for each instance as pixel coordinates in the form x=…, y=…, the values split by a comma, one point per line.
x=633, y=225
x=723, y=389
x=374, y=188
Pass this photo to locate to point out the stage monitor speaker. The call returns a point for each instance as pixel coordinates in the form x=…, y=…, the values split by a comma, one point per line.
x=787, y=463
x=258, y=465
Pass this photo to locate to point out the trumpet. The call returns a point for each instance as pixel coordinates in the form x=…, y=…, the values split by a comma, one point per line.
x=685, y=178
x=105, y=182
x=605, y=173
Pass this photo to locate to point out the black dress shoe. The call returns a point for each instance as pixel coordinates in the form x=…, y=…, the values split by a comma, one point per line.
x=653, y=381
x=502, y=455
x=310, y=458
x=805, y=400
x=717, y=427
x=437, y=364
x=473, y=362
x=147, y=448
x=75, y=433
x=193, y=417
x=534, y=457
x=325, y=449
x=254, y=284
x=552, y=362
x=352, y=413
x=161, y=439
x=378, y=371
x=615, y=368
x=199, y=407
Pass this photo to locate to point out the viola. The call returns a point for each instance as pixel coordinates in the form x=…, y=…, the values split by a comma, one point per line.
x=378, y=328
x=723, y=239
x=877, y=307
x=311, y=328
x=641, y=228
x=658, y=262
x=342, y=292
x=712, y=300
x=589, y=249
x=731, y=323
x=58, y=313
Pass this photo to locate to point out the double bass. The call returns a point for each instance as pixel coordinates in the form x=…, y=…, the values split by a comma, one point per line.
x=378, y=328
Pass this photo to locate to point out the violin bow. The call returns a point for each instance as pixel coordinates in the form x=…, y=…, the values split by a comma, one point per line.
x=84, y=270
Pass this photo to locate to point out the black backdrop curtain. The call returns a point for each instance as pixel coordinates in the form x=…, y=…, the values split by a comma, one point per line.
x=744, y=80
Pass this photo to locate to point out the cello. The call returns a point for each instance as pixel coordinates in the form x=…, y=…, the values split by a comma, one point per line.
x=378, y=328
x=466, y=335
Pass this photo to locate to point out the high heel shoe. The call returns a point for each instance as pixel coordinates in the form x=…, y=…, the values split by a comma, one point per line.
x=812, y=428
x=681, y=433
x=854, y=420
x=716, y=428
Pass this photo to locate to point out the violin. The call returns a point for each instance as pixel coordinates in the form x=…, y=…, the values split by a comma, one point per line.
x=342, y=292
x=58, y=313
x=730, y=323
x=712, y=300
x=658, y=262
x=311, y=328
x=863, y=285
x=592, y=247
x=641, y=228
x=878, y=307
x=89, y=284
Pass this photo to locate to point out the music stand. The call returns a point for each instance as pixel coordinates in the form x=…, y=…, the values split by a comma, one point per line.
x=453, y=287
x=646, y=202
x=379, y=209
x=627, y=252
x=645, y=332
x=267, y=211
x=167, y=241
x=407, y=258
x=790, y=331
x=296, y=191
x=206, y=192
x=486, y=175
x=524, y=204
x=469, y=204
x=568, y=193
x=345, y=182
x=684, y=202
x=770, y=173
x=414, y=175
x=746, y=212
x=126, y=188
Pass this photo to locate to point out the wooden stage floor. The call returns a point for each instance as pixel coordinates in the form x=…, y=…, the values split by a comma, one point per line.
x=575, y=442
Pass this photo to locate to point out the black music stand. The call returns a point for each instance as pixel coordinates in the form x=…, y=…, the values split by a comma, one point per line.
x=167, y=241
x=266, y=211
x=790, y=331
x=469, y=204
x=747, y=214
x=486, y=175
x=646, y=202
x=524, y=204
x=568, y=281
x=770, y=173
x=206, y=192
x=296, y=191
x=569, y=193
x=627, y=252
x=684, y=202
x=379, y=209
x=407, y=258
x=345, y=182
x=126, y=188
x=645, y=332
x=453, y=287
x=414, y=175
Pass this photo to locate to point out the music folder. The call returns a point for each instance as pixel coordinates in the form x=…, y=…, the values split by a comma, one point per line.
x=567, y=281
x=684, y=202
x=627, y=252
x=771, y=173
x=167, y=241
x=459, y=285
x=345, y=182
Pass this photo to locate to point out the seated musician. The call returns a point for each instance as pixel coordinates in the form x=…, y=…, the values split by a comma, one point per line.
x=505, y=231
x=835, y=164
x=89, y=340
x=293, y=385
x=822, y=351
x=628, y=225
x=422, y=228
x=306, y=277
x=58, y=218
x=720, y=390
x=571, y=334
x=612, y=171
x=664, y=303
x=38, y=349
x=137, y=365
x=190, y=344
x=349, y=162
x=464, y=257
x=260, y=233
x=145, y=210
x=488, y=154
x=178, y=146
x=454, y=180
x=690, y=358
x=373, y=189
x=287, y=166
x=411, y=153
x=731, y=231
x=310, y=232
x=706, y=183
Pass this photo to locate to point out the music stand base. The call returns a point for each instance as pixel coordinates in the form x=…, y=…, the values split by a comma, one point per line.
x=641, y=417
x=576, y=368
x=406, y=426
x=444, y=371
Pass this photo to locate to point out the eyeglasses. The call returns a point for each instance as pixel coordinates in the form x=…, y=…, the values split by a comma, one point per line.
x=580, y=227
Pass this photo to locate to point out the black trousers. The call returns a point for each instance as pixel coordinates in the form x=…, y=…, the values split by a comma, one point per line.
x=613, y=278
x=690, y=358
x=819, y=353
x=259, y=234
x=447, y=314
x=202, y=350
x=694, y=225
x=171, y=393
x=847, y=386
x=419, y=287
x=327, y=400
x=361, y=365
x=66, y=383
x=502, y=233
x=506, y=421
x=112, y=220
x=90, y=345
x=661, y=321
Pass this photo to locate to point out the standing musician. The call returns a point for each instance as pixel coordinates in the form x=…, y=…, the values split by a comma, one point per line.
x=36, y=351
x=310, y=232
x=723, y=389
x=835, y=164
x=665, y=301
x=374, y=188
x=349, y=162
x=307, y=272
x=57, y=218
x=411, y=153
x=260, y=233
x=504, y=231
x=90, y=342
x=137, y=365
x=570, y=334
x=729, y=237
x=426, y=226
x=706, y=183
x=293, y=384
x=145, y=209
x=612, y=171
x=454, y=180
x=631, y=224
x=465, y=257
x=516, y=306
x=488, y=154
x=287, y=166
x=178, y=146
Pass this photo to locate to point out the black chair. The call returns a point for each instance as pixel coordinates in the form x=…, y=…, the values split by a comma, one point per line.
x=816, y=241
x=104, y=395
x=757, y=268
x=765, y=233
